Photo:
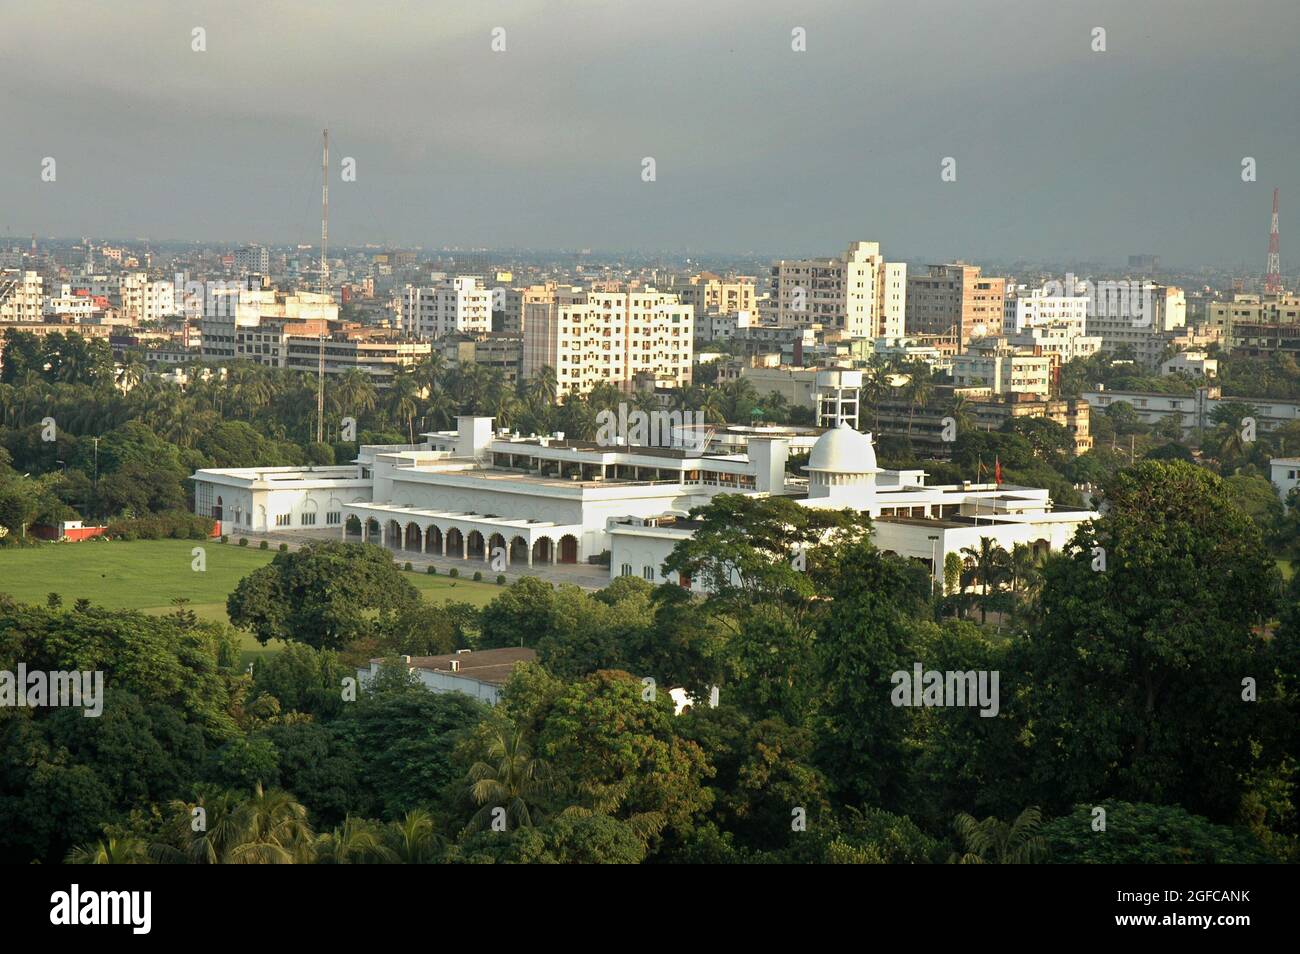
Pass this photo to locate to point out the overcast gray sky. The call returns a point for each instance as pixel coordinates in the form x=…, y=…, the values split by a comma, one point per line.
x=1061, y=152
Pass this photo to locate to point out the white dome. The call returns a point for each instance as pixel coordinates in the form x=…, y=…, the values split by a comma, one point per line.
x=842, y=450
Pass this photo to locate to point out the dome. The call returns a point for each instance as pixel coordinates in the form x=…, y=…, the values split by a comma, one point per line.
x=842, y=450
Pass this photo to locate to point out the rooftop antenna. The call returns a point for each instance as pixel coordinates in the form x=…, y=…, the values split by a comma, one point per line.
x=324, y=283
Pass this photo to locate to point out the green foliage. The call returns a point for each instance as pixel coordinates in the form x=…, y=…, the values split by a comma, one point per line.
x=1138, y=833
x=325, y=594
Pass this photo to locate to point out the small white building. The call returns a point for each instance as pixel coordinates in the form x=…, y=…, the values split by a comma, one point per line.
x=1285, y=474
x=479, y=673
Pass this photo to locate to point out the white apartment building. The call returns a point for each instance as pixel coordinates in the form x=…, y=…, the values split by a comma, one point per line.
x=460, y=305
x=610, y=338
x=1035, y=307
x=1285, y=473
x=1196, y=363
x=21, y=297
x=145, y=300
x=995, y=363
x=859, y=294
x=1194, y=410
x=1064, y=340
x=70, y=307
x=1142, y=316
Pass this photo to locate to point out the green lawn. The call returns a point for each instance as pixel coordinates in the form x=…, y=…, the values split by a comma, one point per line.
x=148, y=574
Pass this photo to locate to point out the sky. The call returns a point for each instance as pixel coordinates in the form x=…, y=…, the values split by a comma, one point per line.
x=1061, y=153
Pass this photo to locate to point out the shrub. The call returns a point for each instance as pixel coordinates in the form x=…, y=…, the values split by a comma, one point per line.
x=408, y=566
x=262, y=545
x=284, y=548
x=501, y=579
x=243, y=541
x=478, y=576
x=432, y=571
x=174, y=524
x=453, y=572
x=225, y=538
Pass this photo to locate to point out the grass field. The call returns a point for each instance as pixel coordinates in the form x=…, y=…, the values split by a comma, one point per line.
x=147, y=575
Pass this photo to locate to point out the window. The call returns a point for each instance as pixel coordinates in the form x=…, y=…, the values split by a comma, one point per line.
x=308, y=519
x=282, y=519
x=627, y=567
x=648, y=572
x=334, y=517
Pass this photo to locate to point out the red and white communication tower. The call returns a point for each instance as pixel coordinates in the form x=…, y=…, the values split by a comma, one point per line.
x=1273, y=273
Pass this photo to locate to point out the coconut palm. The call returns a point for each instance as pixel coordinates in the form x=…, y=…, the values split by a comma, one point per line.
x=273, y=830
x=1023, y=571
x=989, y=562
x=993, y=841
x=358, y=841
x=109, y=851
x=510, y=779
x=414, y=840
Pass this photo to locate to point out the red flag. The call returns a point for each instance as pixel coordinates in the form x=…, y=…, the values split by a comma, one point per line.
x=997, y=471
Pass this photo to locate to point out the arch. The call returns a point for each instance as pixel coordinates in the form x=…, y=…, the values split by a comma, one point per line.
x=543, y=550
x=352, y=526
x=518, y=549
x=455, y=542
x=393, y=535
x=217, y=509
x=371, y=532
x=412, y=537
x=474, y=546
x=433, y=538
x=568, y=549
x=495, y=542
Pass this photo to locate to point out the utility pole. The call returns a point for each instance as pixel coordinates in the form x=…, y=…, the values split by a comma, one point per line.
x=324, y=282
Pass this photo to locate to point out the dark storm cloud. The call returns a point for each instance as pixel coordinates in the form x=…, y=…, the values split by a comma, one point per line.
x=1060, y=151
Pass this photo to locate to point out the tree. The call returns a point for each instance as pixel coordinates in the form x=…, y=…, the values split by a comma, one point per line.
x=993, y=841
x=508, y=780
x=988, y=563
x=325, y=595
x=1138, y=833
x=1123, y=646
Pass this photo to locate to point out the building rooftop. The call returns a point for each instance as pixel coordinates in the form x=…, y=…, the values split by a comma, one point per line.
x=491, y=666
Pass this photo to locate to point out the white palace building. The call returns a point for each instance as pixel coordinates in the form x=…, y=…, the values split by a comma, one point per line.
x=471, y=493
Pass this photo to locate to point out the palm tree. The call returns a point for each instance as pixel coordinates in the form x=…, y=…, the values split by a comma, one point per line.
x=273, y=830
x=355, y=390
x=414, y=840
x=541, y=387
x=212, y=842
x=358, y=842
x=989, y=561
x=1023, y=570
x=511, y=779
x=108, y=851
x=993, y=841
x=401, y=402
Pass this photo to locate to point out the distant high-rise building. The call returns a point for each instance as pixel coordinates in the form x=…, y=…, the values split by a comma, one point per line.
x=454, y=306
x=955, y=300
x=610, y=338
x=252, y=259
x=858, y=294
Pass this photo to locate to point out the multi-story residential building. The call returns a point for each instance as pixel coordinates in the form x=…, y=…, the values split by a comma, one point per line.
x=354, y=349
x=1194, y=410
x=232, y=325
x=252, y=259
x=71, y=307
x=955, y=300
x=21, y=296
x=1258, y=324
x=145, y=300
x=460, y=305
x=1003, y=368
x=511, y=305
x=496, y=351
x=709, y=294
x=712, y=326
x=859, y=294
x=1026, y=307
x=1143, y=317
x=609, y=337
